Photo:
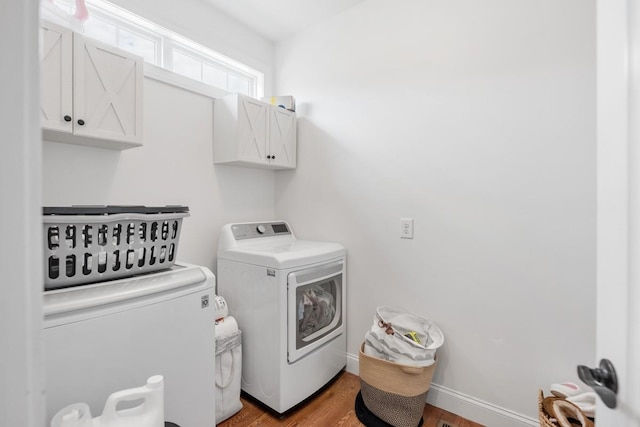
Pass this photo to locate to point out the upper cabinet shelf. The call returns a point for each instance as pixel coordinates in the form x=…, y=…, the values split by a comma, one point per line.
x=91, y=93
x=248, y=132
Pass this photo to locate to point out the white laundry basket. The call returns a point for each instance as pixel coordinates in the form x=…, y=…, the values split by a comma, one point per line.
x=228, y=372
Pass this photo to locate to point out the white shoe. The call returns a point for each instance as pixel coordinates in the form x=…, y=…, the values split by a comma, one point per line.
x=566, y=390
x=586, y=402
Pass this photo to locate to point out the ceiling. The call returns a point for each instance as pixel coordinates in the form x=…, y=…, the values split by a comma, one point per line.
x=276, y=20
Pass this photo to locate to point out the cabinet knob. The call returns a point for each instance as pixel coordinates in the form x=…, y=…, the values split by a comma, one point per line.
x=67, y=118
x=273, y=157
x=268, y=157
x=81, y=122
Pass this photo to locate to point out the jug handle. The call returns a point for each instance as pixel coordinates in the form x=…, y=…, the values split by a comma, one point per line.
x=110, y=412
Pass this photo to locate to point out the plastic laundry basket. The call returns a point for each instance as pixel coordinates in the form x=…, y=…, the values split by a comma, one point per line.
x=85, y=244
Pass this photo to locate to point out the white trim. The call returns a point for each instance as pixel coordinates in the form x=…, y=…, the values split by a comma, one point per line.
x=171, y=78
x=465, y=406
x=353, y=364
x=618, y=239
x=478, y=410
x=21, y=364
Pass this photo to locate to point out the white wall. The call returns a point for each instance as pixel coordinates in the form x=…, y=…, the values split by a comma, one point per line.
x=477, y=119
x=175, y=166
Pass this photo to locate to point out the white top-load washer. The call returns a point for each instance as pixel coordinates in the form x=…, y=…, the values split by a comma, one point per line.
x=289, y=298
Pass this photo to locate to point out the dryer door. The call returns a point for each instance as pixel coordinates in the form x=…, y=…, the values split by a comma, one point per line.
x=315, y=307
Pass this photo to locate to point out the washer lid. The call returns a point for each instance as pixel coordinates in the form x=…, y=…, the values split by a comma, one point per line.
x=284, y=254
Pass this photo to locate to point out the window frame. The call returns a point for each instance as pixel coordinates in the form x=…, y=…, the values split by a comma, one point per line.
x=122, y=24
x=166, y=42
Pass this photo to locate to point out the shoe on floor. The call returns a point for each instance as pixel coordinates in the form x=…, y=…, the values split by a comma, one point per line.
x=565, y=389
x=586, y=402
x=565, y=413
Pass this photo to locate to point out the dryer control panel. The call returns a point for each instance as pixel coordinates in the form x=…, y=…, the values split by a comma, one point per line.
x=259, y=229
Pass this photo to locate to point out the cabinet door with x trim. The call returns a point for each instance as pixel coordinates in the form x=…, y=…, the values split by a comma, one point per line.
x=107, y=92
x=56, y=77
x=252, y=130
x=282, y=137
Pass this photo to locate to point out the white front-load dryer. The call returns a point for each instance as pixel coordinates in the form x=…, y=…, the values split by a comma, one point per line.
x=289, y=298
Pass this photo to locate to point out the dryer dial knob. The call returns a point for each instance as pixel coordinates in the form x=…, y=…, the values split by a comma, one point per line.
x=261, y=229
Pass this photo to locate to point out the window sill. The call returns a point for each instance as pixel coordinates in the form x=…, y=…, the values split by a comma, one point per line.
x=171, y=78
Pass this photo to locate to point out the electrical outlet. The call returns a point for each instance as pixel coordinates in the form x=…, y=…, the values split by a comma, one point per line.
x=406, y=228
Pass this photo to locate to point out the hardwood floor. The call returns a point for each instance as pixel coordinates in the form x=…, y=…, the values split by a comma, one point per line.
x=333, y=406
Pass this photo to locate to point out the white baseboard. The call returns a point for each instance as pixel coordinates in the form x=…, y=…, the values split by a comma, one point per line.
x=466, y=406
x=353, y=364
x=475, y=409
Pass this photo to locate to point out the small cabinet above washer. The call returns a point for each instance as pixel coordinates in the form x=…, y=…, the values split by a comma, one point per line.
x=248, y=132
x=91, y=93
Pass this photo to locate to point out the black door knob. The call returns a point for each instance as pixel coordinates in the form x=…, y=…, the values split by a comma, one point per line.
x=273, y=157
x=81, y=122
x=602, y=380
x=67, y=118
x=268, y=157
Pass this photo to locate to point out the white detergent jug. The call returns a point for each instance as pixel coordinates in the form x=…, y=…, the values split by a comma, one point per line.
x=75, y=415
x=150, y=413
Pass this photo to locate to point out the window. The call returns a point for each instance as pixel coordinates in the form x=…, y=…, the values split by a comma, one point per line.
x=158, y=46
x=128, y=37
x=187, y=65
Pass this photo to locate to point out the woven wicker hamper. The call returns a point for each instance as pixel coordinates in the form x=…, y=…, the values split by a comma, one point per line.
x=393, y=392
x=545, y=420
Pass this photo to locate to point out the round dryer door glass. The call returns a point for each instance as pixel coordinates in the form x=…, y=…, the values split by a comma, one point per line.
x=315, y=308
x=318, y=310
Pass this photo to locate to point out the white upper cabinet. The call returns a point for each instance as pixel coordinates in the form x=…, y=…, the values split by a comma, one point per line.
x=248, y=132
x=91, y=92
